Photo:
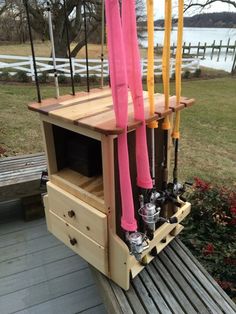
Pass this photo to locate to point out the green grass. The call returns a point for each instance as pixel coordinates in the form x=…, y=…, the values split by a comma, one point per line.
x=208, y=129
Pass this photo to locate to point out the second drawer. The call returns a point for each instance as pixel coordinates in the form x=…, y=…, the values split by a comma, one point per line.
x=79, y=214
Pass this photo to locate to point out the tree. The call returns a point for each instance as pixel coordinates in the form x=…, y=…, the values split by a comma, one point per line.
x=201, y=4
x=74, y=15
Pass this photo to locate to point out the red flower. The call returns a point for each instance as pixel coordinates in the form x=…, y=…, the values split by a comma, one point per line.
x=233, y=210
x=202, y=185
x=230, y=260
x=232, y=221
x=225, y=285
x=208, y=249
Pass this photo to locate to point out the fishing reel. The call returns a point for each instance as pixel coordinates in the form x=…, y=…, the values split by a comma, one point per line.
x=150, y=212
x=175, y=191
x=138, y=242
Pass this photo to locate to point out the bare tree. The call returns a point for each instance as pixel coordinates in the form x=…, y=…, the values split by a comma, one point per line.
x=201, y=4
x=74, y=15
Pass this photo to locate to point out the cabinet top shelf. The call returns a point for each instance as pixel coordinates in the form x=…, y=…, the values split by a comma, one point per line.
x=94, y=110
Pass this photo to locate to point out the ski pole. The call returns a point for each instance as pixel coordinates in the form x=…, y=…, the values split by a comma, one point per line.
x=53, y=49
x=150, y=81
x=68, y=47
x=32, y=51
x=178, y=63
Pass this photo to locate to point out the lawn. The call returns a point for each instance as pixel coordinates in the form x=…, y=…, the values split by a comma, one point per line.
x=208, y=129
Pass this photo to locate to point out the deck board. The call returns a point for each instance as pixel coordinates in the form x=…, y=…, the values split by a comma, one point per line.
x=38, y=274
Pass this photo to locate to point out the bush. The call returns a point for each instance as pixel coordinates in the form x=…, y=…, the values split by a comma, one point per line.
x=43, y=78
x=5, y=75
x=197, y=73
x=21, y=76
x=62, y=79
x=210, y=231
x=77, y=78
x=186, y=74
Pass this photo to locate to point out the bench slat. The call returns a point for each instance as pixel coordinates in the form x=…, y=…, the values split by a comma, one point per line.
x=144, y=296
x=165, y=291
x=187, y=256
x=173, y=285
x=210, y=305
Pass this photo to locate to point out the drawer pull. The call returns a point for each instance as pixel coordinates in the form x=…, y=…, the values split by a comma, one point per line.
x=71, y=213
x=73, y=241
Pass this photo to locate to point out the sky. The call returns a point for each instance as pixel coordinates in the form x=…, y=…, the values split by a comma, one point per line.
x=215, y=7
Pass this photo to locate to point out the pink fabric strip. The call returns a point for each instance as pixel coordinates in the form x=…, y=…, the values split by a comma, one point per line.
x=119, y=86
x=135, y=84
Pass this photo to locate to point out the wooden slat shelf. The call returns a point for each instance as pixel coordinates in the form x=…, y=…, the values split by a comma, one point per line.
x=94, y=110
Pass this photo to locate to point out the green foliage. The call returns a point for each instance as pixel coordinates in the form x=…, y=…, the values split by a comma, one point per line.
x=197, y=73
x=186, y=74
x=4, y=75
x=43, y=78
x=62, y=79
x=77, y=78
x=210, y=231
x=21, y=76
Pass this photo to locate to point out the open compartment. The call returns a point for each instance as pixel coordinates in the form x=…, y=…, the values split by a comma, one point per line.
x=76, y=163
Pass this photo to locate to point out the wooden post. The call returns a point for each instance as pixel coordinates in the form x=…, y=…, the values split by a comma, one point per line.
x=234, y=49
x=227, y=49
x=219, y=51
x=234, y=63
x=183, y=48
x=204, y=52
x=189, y=48
x=198, y=47
x=213, y=48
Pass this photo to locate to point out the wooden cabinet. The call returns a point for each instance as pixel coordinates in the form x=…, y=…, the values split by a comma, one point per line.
x=83, y=202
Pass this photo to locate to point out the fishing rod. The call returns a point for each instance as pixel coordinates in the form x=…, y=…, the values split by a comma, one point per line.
x=33, y=52
x=166, y=87
x=118, y=78
x=177, y=189
x=86, y=46
x=150, y=81
x=178, y=63
x=53, y=49
x=68, y=47
x=148, y=210
x=102, y=43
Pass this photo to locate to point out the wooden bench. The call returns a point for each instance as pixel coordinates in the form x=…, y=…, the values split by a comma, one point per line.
x=174, y=282
x=20, y=179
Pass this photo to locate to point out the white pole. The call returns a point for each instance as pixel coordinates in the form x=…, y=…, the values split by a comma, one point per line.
x=53, y=49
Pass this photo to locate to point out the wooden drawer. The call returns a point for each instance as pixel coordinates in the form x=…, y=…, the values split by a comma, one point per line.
x=77, y=213
x=91, y=251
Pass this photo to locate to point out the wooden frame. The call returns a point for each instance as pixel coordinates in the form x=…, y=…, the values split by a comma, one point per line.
x=93, y=231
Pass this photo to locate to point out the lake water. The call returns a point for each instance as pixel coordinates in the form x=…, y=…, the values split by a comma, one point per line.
x=194, y=35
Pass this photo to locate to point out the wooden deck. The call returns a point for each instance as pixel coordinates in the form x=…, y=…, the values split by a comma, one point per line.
x=38, y=274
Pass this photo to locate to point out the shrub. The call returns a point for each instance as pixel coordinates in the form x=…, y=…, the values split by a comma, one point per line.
x=77, y=78
x=5, y=75
x=43, y=78
x=22, y=76
x=62, y=79
x=210, y=231
x=186, y=74
x=197, y=73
